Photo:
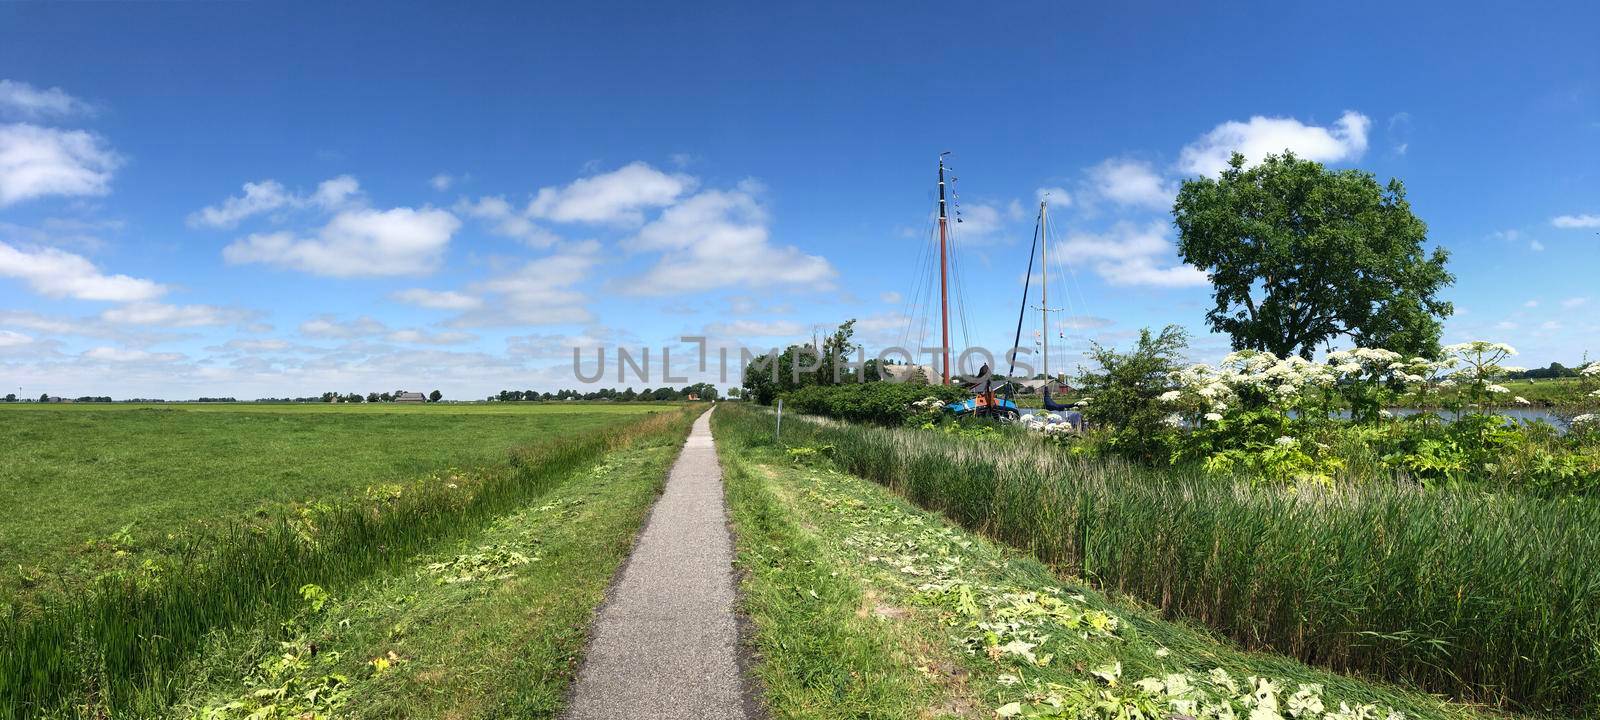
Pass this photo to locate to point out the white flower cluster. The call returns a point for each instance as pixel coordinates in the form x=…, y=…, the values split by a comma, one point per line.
x=1047, y=423
x=1586, y=419
x=1592, y=370
x=1205, y=391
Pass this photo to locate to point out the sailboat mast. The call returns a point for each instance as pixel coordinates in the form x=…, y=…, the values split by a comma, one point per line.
x=1044, y=289
x=944, y=289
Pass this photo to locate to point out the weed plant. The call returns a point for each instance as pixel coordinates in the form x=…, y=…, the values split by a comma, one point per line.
x=1484, y=597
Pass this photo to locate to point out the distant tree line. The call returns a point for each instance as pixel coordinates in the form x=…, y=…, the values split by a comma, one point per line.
x=371, y=397
x=834, y=362
x=701, y=391
x=1555, y=370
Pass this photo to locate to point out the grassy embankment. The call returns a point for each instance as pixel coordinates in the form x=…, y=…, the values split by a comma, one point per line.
x=865, y=606
x=122, y=642
x=87, y=485
x=490, y=625
x=1486, y=598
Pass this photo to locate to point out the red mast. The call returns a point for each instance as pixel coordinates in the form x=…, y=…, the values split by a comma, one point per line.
x=944, y=292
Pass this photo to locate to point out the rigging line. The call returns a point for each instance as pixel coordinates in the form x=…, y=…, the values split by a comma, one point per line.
x=1027, y=282
x=913, y=311
x=930, y=276
x=909, y=305
x=1076, y=285
x=961, y=296
x=924, y=299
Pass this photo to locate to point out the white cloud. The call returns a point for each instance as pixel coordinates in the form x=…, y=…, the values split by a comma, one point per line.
x=442, y=182
x=1400, y=132
x=890, y=297
x=255, y=346
x=507, y=221
x=1346, y=139
x=561, y=346
x=720, y=239
x=126, y=355
x=617, y=197
x=327, y=326
x=57, y=273
x=20, y=98
x=1085, y=322
x=177, y=316
x=1055, y=196
x=47, y=324
x=755, y=328
x=437, y=299
x=37, y=161
x=1531, y=304
x=982, y=223
x=269, y=195
x=422, y=337
x=359, y=242
x=1576, y=221
x=264, y=196
x=1131, y=182
x=1131, y=255
x=1535, y=246
x=336, y=192
x=539, y=293
x=13, y=339
x=1574, y=302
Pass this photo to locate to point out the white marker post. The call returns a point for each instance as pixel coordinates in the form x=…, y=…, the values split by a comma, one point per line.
x=776, y=434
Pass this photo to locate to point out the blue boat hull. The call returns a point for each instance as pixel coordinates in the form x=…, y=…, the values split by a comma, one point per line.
x=970, y=405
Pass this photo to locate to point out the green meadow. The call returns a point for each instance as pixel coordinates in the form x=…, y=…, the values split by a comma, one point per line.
x=82, y=481
x=159, y=556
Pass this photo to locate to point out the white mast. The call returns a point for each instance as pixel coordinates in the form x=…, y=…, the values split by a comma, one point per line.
x=1044, y=291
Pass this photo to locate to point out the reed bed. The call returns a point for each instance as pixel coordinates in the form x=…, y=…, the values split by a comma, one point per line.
x=119, y=646
x=1486, y=598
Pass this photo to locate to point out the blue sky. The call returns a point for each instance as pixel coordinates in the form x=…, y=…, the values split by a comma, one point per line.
x=282, y=199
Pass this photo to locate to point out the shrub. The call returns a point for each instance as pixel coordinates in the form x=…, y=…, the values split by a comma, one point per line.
x=1126, y=393
x=877, y=403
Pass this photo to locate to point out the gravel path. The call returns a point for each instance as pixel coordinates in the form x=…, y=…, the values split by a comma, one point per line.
x=666, y=642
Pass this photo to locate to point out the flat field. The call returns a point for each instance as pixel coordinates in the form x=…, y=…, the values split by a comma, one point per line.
x=73, y=476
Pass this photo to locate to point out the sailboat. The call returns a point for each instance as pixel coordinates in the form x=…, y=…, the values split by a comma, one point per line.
x=984, y=401
x=1042, y=242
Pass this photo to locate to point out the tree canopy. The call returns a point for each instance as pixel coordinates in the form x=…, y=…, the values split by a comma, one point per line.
x=1300, y=255
x=765, y=378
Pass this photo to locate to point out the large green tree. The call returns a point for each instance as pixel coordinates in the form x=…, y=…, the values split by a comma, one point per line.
x=1301, y=255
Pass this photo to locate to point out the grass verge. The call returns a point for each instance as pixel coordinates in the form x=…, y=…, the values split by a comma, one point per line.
x=119, y=647
x=866, y=606
x=490, y=626
x=1485, y=597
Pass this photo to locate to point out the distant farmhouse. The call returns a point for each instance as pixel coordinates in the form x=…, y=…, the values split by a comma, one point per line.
x=410, y=397
x=914, y=374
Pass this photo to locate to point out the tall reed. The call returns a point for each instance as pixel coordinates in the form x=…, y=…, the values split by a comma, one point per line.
x=1492, y=598
x=118, y=647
